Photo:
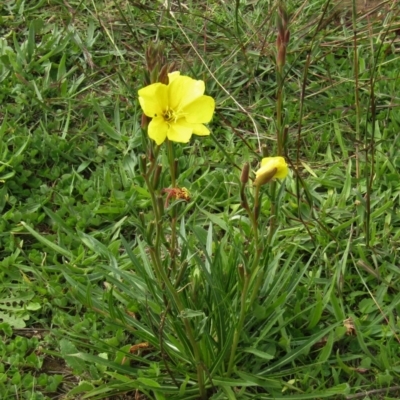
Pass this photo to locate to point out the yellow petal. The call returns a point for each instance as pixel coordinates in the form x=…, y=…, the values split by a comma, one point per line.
x=154, y=99
x=269, y=160
x=199, y=111
x=183, y=90
x=276, y=162
x=200, y=129
x=173, y=75
x=282, y=172
x=180, y=132
x=271, y=168
x=158, y=130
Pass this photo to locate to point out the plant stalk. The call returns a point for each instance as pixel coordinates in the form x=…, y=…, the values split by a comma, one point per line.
x=155, y=252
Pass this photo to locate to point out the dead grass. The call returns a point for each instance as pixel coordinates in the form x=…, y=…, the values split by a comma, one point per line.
x=373, y=8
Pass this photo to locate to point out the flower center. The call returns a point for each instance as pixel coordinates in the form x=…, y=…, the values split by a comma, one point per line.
x=170, y=115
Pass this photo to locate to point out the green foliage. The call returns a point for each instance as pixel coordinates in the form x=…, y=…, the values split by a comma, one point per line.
x=79, y=298
x=22, y=359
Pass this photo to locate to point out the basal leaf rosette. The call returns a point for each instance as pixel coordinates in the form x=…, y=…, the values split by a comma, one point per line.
x=178, y=109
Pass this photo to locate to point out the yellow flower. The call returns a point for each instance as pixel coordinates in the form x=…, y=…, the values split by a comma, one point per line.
x=178, y=109
x=271, y=168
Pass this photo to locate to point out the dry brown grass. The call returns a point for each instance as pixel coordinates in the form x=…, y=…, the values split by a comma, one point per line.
x=364, y=7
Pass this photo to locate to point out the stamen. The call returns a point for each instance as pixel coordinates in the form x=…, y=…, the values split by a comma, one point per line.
x=170, y=115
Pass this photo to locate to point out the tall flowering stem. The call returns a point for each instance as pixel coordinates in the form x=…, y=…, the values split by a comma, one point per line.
x=248, y=272
x=174, y=108
x=282, y=42
x=283, y=37
x=160, y=272
x=173, y=173
x=253, y=275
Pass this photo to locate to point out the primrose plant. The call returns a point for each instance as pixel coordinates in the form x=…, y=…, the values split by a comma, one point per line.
x=201, y=325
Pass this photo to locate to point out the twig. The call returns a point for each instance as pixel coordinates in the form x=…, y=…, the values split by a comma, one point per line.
x=374, y=391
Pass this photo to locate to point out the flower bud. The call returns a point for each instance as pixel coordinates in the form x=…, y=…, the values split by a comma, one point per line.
x=156, y=176
x=141, y=218
x=278, y=42
x=244, y=176
x=285, y=133
x=271, y=168
x=160, y=203
x=241, y=272
x=265, y=176
x=286, y=38
x=143, y=164
x=264, y=151
x=163, y=74
x=154, y=59
x=281, y=57
x=150, y=231
x=144, y=122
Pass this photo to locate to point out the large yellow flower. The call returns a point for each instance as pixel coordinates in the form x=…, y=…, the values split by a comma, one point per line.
x=271, y=168
x=178, y=109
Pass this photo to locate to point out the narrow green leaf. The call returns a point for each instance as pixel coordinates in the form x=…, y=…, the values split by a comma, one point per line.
x=337, y=307
x=215, y=219
x=316, y=311
x=82, y=387
x=339, y=138
x=230, y=394
x=327, y=349
x=31, y=42
x=61, y=71
x=47, y=242
x=149, y=382
x=299, y=350
x=346, y=187
x=259, y=353
x=59, y=222
x=209, y=247
x=378, y=212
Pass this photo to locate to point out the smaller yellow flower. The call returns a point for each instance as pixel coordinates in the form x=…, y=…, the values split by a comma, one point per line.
x=271, y=168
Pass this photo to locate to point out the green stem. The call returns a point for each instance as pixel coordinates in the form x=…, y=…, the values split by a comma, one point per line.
x=258, y=280
x=155, y=252
x=153, y=197
x=244, y=306
x=279, y=106
x=249, y=276
x=272, y=219
x=171, y=160
x=259, y=251
x=179, y=306
x=154, y=161
x=239, y=326
x=281, y=146
x=254, y=215
x=356, y=89
x=172, y=167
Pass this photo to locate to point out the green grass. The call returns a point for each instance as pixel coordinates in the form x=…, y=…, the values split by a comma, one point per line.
x=77, y=281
